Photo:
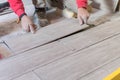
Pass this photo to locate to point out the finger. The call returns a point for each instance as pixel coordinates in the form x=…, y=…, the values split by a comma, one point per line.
x=26, y=29
x=88, y=16
x=32, y=28
x=85, y=20
x=80, y=20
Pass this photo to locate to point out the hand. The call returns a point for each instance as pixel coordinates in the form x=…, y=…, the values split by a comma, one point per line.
x=27, y=24
x=83, y=15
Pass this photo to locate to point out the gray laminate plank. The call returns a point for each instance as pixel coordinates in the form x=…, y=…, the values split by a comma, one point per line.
x=82, y=62
x=92, y=36
x=104, y=71
x=17, y=65
x=28, y=76
x=44, y=35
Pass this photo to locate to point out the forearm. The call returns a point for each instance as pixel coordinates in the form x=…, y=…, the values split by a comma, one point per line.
x=81, y=3
x=17, y=6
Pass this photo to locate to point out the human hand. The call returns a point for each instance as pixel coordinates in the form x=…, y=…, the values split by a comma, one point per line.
x=83, y=15
x=27, y=24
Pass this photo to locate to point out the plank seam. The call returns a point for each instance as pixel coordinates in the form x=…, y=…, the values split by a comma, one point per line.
x=21, y=75
x=83, y=75
x=37, y=75
x=57, y=39
x=76, y=52
x=99, y=42
x=7, y=46
x=116, y=58
x=38, y=66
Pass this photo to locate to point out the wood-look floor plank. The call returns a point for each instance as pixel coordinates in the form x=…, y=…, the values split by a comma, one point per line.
x=17, y=65
x=28, y=76
x=104, y=71
x=82, y=62
x=90, y=37
x=27, y=61
x=44, y=35
x=4, y=51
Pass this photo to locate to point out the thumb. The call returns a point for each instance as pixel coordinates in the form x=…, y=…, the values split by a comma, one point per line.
x=85, y=20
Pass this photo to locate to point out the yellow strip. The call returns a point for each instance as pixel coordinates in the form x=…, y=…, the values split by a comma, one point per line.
x=114, y=76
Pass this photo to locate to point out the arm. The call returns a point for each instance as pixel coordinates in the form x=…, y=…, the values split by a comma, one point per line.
x=26, y=22
x=17, y=6
x=83, y=14
x=81, y=3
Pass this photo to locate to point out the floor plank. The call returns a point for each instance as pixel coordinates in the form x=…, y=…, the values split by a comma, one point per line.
x=104, y=71
x=4, y=51
x=28, y=76
x=15, y=66
x=44, y=35
x=90, y=37
x=28, y=61
x=100, y=74
x=77, y=65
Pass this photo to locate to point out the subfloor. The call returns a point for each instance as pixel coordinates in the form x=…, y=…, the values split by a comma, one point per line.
x=62, y=51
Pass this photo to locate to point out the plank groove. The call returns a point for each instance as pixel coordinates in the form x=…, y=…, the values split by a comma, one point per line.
x=28, y=76
x=81, y=63
x=104, y=71
x=41, y=56
x=44, y=35
x=90, y=37
x=25, y=62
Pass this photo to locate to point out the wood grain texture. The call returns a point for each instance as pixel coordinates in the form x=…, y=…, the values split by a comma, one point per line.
x=104, y=71
x=81, y=63
x=28, y=76
x=17, y=65
x=90, y=37
x=27, y=61
x=44, y=35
